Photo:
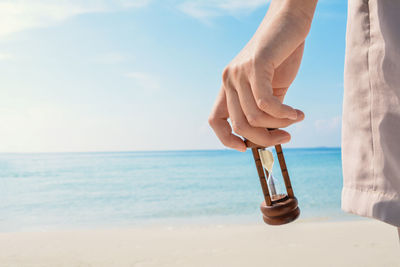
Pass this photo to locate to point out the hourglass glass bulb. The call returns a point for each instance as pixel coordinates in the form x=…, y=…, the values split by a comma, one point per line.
x=275, y=187
x=267, y=160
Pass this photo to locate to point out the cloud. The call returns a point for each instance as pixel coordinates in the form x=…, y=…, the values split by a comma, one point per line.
x=198, y=11
x=19, y=15
x=328, y=125
x=111, y=58
x=133, y=3
x=144, y=80
x=205, y=10
x=5, y=56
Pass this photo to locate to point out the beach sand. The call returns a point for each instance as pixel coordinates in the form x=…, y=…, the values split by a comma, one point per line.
x=352, y=243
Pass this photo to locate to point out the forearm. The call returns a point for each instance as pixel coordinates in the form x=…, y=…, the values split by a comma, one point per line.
x=275, y=8
x=303, y=9
x=284, y=28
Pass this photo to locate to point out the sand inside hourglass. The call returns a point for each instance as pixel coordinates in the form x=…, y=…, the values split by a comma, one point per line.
x=278, y=197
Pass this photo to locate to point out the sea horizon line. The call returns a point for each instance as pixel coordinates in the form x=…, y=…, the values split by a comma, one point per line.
x=153, y=150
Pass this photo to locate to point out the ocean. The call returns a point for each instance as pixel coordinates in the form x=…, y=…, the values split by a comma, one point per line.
x=122, y=189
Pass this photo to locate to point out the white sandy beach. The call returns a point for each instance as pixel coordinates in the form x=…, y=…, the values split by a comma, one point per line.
x=354, y=243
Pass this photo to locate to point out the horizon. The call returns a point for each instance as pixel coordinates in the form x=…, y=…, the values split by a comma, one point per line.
x=177, y=150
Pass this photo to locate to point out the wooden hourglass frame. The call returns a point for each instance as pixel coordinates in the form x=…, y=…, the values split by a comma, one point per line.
x=284, y=209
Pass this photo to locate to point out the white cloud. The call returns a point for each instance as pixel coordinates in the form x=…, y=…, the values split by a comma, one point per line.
x=328, y=125
x=198, y=11
x=240, y=5
x=5, y=56
x=19, y=15
x=204, y=10
x=111, y=58
x=133, y=3
x=144, y=80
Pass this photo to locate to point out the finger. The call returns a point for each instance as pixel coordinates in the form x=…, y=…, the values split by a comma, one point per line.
x=280, y=93
x=220, y=125
x=260, y=136
x=269, y=103
x=256, y=117
x=267, y=121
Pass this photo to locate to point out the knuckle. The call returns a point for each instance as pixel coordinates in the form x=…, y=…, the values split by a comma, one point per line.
x=211, y=120
x=235, y=70
x=225, y=75
x=263, y=103
x=225, y=139
x=280, y=91
x=238, y=127
x=254, y=119
x=226, y=142
x=232, y=74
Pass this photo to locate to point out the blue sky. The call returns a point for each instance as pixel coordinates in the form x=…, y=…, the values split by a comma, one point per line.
x=110, y=75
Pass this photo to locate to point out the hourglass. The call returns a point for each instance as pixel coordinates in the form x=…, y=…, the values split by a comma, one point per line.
x=279, y=207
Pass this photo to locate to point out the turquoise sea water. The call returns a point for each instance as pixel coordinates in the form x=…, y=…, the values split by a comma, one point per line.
x=58, y=190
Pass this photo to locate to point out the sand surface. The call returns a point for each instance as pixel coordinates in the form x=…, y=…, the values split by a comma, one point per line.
x=355, y=243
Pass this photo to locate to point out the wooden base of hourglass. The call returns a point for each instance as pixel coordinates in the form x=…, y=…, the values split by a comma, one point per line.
x=281, y=209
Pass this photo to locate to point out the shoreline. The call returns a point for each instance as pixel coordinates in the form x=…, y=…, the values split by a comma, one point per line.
x=315, y=243
x=228, y=220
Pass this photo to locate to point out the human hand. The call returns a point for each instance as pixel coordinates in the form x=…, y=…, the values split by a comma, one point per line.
x=257, y=79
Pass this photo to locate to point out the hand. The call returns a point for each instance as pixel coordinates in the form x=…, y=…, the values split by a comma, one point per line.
x=257, y=79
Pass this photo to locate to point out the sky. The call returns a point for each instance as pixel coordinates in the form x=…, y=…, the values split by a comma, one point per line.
x=125, y=75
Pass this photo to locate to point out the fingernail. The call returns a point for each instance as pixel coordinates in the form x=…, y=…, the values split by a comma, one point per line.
x=300, y=115
x=293, y=115
x=284, y=139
